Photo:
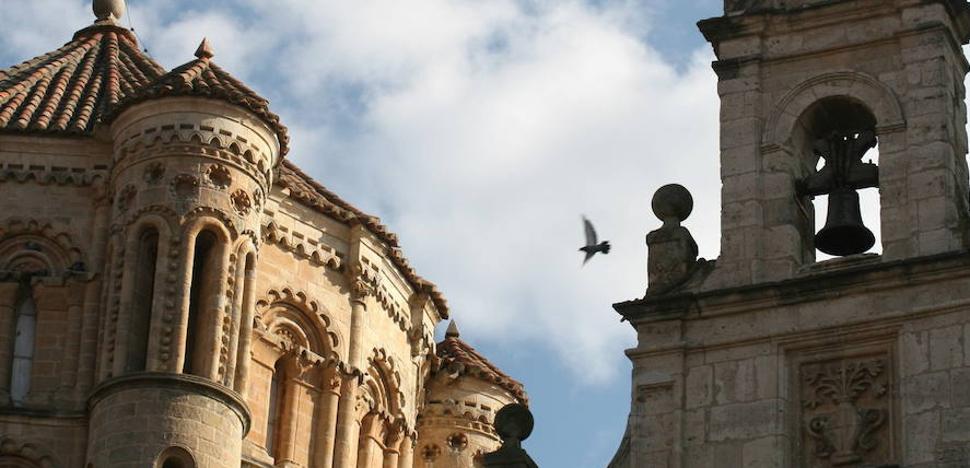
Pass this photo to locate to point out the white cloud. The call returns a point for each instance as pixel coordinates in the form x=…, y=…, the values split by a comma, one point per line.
x=486, y=156
x=481, y=130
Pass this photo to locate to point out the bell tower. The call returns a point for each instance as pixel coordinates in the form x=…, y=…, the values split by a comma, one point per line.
x=806, y=81
x=770, y=356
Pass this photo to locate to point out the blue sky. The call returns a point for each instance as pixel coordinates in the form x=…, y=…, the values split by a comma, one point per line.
x=480, y=131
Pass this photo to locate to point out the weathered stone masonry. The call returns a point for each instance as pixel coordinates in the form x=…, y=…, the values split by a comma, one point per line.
x=175, y=294
x=766, y=357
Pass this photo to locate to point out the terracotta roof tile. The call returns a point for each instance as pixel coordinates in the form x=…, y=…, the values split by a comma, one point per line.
x=309, y=192
x=203, y=78
x=459, y=357
x=70, y=89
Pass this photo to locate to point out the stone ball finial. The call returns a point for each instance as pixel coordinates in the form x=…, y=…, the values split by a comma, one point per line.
x=672, y=201
x=109, y=10
x=514, y=422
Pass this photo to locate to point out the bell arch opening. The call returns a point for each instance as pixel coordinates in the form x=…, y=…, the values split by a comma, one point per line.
x=838, y=179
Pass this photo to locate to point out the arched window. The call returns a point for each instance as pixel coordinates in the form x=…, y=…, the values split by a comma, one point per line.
x=142, y=300
x=23, y=348
x=175, y=457
x=274, y=416
x=205, y=276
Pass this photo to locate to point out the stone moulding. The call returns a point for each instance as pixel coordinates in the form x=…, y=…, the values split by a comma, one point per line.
x=874, y=94
x=190, y=384
x=47, y=247
x=318, y=254
x=78, y=177
x=321, y=329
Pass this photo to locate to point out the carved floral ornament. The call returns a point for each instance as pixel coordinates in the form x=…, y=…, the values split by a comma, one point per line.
x=154, y=173
x=241, y=202
x=846, y=412
x=430, y=452
x=219, y=176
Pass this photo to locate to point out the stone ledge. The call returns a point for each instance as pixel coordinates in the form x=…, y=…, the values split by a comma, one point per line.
x=184, y=382
x=810, y=286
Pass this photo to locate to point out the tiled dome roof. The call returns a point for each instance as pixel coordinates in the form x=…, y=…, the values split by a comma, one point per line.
x=459, y=357
x=70, y=89
x=203, y=78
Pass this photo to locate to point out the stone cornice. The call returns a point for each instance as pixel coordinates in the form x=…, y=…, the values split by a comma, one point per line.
x=188, y=383
x=822, y=281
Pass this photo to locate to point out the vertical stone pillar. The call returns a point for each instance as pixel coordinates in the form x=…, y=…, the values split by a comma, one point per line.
x=348, y=431
x=98, y=265
x=210, y=337
x=406, y=459
x=246, y=335
x=369, y=445
x=238, y=291
x=326, y=427
x=9, y=292
x=185, y=286
x=75, y=319
x=392, y=447
x=348, y=426
x=290, y=410
x=119, y=356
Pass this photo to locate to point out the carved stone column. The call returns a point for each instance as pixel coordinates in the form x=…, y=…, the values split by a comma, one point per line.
x=184, y=287
x=392, y=446
x=244, y=358
x=326, y=428
x=348, y=426
x=406, y=459
x=8, y=303
x=369, y=442
x=210, y=340
x=75, y=319
x=98, y=265
x=295, y=370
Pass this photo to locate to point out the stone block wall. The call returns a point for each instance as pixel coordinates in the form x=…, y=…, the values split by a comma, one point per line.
x=866, y=367
x=135, y=419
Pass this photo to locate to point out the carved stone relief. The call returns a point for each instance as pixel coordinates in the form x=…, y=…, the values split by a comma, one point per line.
x=846, y=409
x=154, y=173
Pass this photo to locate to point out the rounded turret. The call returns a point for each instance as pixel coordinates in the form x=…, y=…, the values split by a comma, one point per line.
x=193, y=161
x=463, y=395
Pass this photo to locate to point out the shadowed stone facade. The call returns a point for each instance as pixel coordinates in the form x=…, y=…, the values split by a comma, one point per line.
x=767, y=357
x=175, y=294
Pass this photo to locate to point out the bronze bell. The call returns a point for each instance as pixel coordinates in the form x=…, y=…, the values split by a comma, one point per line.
x=844, y=233
x=843, y=174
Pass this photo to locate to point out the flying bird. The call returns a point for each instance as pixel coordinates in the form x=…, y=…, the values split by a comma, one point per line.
x=592, y=245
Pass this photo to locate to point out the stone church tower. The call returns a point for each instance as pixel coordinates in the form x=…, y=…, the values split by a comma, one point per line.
x=175, y=294
x=768, y=356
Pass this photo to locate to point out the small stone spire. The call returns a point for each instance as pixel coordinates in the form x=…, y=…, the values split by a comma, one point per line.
x=205, y=50
x=452, y=330
x=108, y=11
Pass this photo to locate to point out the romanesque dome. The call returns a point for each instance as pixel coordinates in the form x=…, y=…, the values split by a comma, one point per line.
x=70, y=90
